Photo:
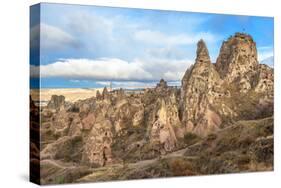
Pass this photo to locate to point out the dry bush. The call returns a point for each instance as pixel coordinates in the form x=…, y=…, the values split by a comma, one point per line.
x=190, y=138
x=181, y=167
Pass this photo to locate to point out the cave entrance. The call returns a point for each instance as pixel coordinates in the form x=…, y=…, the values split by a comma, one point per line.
x=105, y=154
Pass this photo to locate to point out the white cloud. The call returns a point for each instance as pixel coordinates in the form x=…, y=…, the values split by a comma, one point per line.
x=105, y=36
x=169, y=69
x=135, y=84
x=104, y=83
x=101, y=69
x=85, y=23
x=167, y=52
x=159, y=38
x=268, y=61
x=265, y=52
x=143, y=54
x=114, y=69
x=264, y=55
x=127, y=84
x=51, y=37
x=79, y=81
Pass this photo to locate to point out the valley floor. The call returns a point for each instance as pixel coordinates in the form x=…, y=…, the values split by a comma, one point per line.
x=246, y=146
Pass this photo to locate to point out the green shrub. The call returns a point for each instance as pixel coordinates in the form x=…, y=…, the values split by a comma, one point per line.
x=190, y=138
x=59, y=180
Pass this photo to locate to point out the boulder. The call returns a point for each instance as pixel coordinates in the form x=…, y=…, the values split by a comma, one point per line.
x=56, y=101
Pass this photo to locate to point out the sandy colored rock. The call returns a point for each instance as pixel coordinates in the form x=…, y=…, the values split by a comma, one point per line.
x=56, y=101
x=237, y=57
x=123, y=131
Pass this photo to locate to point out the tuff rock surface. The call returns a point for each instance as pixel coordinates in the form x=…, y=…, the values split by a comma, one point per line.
x=122, y=127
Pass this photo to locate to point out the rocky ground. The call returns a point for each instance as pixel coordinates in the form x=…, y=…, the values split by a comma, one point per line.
x=219, y=121
x=246, y=146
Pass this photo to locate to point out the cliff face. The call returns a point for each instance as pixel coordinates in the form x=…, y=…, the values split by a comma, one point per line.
x=211, y=93
x=237, y=58
x=197, y=85
x=119, y=126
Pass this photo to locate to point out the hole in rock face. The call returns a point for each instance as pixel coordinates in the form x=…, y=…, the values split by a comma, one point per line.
x=106, y=155
x=156, y=116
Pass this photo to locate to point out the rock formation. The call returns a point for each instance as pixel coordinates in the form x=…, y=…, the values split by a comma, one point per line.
x=237, y=58
x=197, y=86
x=56, y=101
x=163, y=129
x=105, y=94
x=130, y=126
x=211, y=92
x=98, y=95
x=161, y=86
x=265, y=82
x=97, y=148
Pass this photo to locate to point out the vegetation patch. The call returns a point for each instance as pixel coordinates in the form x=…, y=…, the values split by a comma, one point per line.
x=191, y=138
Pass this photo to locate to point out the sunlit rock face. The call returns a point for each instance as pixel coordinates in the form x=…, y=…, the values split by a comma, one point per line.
x=121, y=125
x=265, y=80
x=163, y=129
x=239, y=68
x=56, y=101
x=237, y=58
x=198, y=84
x=97, y=148
x=211, y=92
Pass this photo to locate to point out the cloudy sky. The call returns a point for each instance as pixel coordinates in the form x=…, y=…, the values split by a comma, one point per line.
x=90, y=46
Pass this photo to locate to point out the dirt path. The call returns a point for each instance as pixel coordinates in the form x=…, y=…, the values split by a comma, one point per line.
x=178, y=153
x=113, y=169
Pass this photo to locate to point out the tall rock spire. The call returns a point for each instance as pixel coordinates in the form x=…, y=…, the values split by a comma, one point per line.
x=202, y=53
x=105, y=93
x=197, y=83
x=202, y=73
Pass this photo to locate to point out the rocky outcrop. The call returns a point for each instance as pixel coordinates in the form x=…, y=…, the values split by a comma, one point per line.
x=237, y=58
x=105, y=94
x=163, y=131
x=34, y=144
x=211, y=93
x=265, y=80
x=97, y=147
x=98, y=95
x=130, y=125
x=197, y=86
x=161, y=86
x=56, y=102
